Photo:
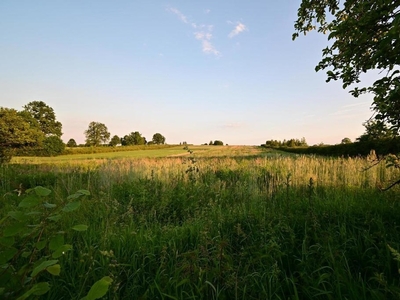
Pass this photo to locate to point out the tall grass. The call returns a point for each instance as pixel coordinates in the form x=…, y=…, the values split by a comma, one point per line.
x=242, y=227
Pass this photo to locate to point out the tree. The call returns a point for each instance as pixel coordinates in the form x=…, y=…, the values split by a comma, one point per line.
x=218, y=143
x=134, y=138
x=115, y=140
x=53, y=145
x=46, y=117
x=16, y=132
x=96, y=134
x=158, y=139
x=72, y=143
x=346, y=140
x=365, y=35
x=376, y=130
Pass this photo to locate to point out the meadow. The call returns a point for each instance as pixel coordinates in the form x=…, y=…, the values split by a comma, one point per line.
x=219, y=223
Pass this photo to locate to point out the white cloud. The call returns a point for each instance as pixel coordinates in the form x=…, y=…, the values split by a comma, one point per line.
x=239, y=28
x=205, y=38
x=207, y=11
x=180, y=15
x=204, y=35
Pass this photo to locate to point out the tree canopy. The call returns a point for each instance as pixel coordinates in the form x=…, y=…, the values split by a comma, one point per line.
x=158, y=139
x=115, y=140
x=96, y=134
x=45, y=116
x=72, y=143
x=365, y=36
x=16, y=131
x=134, y=138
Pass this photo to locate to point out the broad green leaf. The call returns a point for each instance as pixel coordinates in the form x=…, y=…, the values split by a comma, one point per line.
x=61, y=250
x=43, y=266
x=41, y=288
x=84, y=192
x=54, y=270
x=26, y=254
x=41, y=191
x=7, y=241
x=71, y=206
x=2, y=291
x=49, y=205
x=17, y=215
x=80, y=227
x=98, y=289
x=13, y=229
x=73, y=196
x=54, y=218
x=56, y=242
x=41, y=244
x=38, y=289
x=30, y=201
x=7, y=254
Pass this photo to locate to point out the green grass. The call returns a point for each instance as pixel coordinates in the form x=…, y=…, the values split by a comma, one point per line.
x=248, y=224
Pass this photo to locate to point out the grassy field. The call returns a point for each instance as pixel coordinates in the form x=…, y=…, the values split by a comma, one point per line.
x=221, y=223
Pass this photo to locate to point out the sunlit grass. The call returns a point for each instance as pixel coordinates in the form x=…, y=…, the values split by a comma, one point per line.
x=249, y=224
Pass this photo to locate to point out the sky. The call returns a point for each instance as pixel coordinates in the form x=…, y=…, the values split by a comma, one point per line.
x=193, y=71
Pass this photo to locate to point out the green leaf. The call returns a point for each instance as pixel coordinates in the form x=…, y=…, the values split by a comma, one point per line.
x=7, y=254
x=84, y=192
x=80, y=227
x=30, y=201
x=61, y=250
x=56, y=242
x=49, y=205
x=71, y=206
x=13, y=229
x=54, y=270
x=41, y=244
x=43, y=266
x=98, y=289
x=41, y=191
x=2, y=290
x=41, y=288
x=17, y=215
x=7, y=241
x=54, y=218
x=26, y=254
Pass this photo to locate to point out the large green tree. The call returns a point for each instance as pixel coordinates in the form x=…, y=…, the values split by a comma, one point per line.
x=134, y=138
x=96, y=134
x=45, y=116
x=115, y=140
x=365, y=36
x=158, y=139
x=17, y=130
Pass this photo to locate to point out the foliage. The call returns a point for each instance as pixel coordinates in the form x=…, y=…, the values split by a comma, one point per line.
x=71, y=143
x=96, y=134
x=45, y=116
x=241, y=230
x=53, y=145
x=32, y=243
x=376, y=130
x=158, y=139
x=365, y=36
x=115, y=140
x=287, y=143
x=346, y=140
x=16, y=132
x=218, y=143
x=134, y=138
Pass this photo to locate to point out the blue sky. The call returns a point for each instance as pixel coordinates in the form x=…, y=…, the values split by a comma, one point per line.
x=194, y=71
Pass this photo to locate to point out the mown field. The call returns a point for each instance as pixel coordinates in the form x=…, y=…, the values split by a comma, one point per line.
x=218, y=223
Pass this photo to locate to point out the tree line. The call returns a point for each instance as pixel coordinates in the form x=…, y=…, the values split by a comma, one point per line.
x=36, y=131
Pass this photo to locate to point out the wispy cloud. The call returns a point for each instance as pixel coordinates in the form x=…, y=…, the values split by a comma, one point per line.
x=239, y=28
x=180, y=15
x=203, y=34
